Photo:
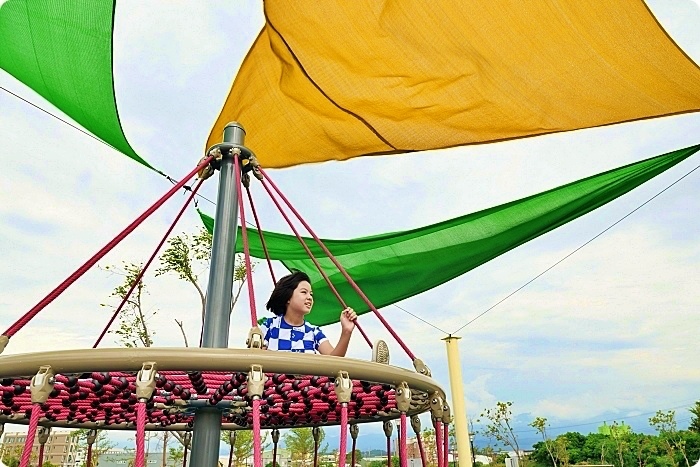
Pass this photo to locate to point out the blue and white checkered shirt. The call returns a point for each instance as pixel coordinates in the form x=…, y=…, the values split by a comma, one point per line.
x=280, y=335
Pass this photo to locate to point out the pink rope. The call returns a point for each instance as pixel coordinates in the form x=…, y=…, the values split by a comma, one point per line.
x=388, y=451
x=260, y=234
x=354, y=445
x=100, y=254
x=421, y=450
x=342, y=270
x=140, y=460
x=446, y=441
x=31, y=434
x=343, y=449
x=313, y=258
x=148, y=263
x=257, y=441
x=246, y=246
x=438, y=443
x=403, y=461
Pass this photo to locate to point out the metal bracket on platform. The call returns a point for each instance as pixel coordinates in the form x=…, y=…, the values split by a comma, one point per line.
x=436, y=405
x=91, y=437
x=421, y=367
x=343, y=387
x=446, y=413
x=403, y=397
x=354, y=431
x=388, y=428
x=146, y=381
x=42, y=384
x=415, y=424
x=255, y=338
x=256, y=381
x=44, y=433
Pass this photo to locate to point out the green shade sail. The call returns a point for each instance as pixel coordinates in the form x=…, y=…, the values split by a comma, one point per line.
x=62, y=49
x=394, y=266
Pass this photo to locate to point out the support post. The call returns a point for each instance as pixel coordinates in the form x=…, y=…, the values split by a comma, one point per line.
x=460, y=411
x=207, y=421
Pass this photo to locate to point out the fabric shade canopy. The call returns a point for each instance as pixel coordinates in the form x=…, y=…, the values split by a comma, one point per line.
x=62, y=49
x=335, y=80
x=394, y=266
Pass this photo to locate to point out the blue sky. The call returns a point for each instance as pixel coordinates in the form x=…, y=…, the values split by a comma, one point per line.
x=610, y=333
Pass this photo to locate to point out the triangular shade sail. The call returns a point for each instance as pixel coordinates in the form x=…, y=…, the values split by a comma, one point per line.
x=394, y=266
x=335, y=80
x=62, y=49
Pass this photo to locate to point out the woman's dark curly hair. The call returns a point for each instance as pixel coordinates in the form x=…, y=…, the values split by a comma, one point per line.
x=283, y=291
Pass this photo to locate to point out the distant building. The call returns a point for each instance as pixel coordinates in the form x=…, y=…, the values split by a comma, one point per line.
x=60, y=449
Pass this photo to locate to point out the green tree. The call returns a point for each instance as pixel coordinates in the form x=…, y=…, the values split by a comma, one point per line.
x=133, y=319
x=186, y=256
x=540, y=425
x=695, y=419
x=665, y=424
x=101, y=444
x=175, y=456
x=243, y=445
x=300, y=442
x=500, y=428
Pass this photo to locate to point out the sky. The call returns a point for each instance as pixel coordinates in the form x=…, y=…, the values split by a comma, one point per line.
x=609, y=333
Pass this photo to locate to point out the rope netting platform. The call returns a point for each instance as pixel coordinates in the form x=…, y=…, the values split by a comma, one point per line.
x=98, y=388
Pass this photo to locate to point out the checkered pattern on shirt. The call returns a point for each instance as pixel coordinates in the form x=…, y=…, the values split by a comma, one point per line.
x=280, y=335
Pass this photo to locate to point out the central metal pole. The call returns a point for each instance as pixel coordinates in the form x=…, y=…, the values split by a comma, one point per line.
x=207, y=421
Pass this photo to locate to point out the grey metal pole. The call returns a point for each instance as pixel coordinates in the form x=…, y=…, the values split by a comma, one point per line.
x=207, y=421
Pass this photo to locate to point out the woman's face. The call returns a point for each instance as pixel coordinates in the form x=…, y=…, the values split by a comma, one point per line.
x=302, y=299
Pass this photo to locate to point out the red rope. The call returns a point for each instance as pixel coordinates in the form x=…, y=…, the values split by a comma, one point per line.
x=421, y=450
x=140, y=460
x=342, y=270
x=148, y=263
x=260, y=234
x=354, y=445
x=342, y=450
x=446, y=441
x=230, y=456
x=257, y=441
x=184, y=457
x=89, y=456
x=31, y=434
x=316, y=448
x=438, y=443
x=92, y=261
x=274, y=455
x=246, y=246
x=313, y=258
x=41, y=455
x=388, y=451
x=403, y=462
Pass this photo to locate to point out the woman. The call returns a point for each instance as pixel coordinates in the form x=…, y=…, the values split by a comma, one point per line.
x=291, y=301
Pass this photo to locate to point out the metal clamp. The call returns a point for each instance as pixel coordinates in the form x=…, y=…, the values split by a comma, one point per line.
x=146, y=381
x=4, y=340
x=91, y=437
x=343, y=387
x=186, y=439
x=42, y=384
x=415, y=424
x=316, y=433
x=436, y=405
x=354, y=431
x=275, y=435
x=446, y=413
x=421, y=367
x=388, y=428
x=256, y=381
x=403, y=397
x=43, y=434
x=255, y=338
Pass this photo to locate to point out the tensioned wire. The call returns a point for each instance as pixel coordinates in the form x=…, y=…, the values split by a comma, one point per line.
x=75, y=127
x=403, y=309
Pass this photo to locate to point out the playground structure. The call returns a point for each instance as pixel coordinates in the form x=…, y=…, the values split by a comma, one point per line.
x=204, y=390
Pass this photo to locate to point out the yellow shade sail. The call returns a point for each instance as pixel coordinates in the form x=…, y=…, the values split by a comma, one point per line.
x=333, y=80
